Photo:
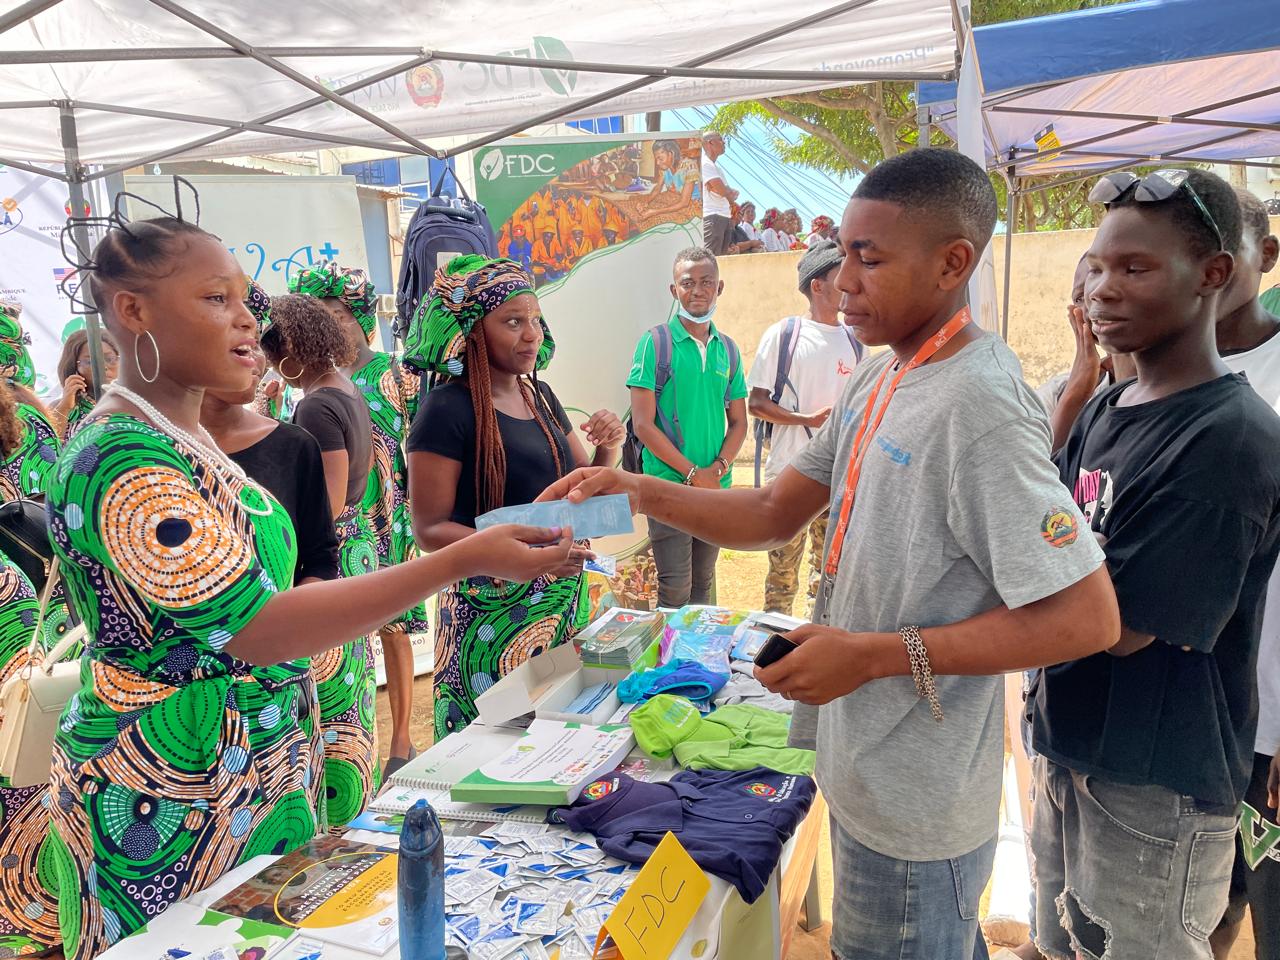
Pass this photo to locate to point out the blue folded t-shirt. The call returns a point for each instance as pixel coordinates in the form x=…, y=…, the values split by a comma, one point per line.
x=681, y=678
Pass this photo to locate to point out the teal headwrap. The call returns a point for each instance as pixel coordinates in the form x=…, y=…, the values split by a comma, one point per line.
x=465, y=290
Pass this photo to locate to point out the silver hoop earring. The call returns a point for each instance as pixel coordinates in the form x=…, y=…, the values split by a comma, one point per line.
x=138, y=363
x=297, y=376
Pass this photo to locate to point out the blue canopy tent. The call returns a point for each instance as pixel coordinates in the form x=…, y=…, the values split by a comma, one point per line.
x=1153, y=81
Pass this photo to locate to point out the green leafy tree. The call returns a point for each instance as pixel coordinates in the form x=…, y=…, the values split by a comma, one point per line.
x=851, y=129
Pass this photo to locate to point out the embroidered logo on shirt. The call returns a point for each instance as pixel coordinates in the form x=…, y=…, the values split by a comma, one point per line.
x=759, y=789
x=843, y=369
x=1059, y=528
x=600, y=789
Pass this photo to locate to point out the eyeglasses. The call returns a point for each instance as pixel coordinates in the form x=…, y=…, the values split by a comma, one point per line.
x=1154, y=187
x=108, y=360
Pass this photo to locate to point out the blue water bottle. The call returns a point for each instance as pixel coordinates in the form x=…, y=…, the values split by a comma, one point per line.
x=420, y=885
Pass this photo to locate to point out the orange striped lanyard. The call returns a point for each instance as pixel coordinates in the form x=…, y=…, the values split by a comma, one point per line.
x=868, y=427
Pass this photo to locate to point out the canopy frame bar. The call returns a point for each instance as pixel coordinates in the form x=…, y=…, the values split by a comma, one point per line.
x=277, y=114
x=24, y=12
x=48, y=57
x=31, y=168
x=238, y=125
x=1152, y=118
x=1137, y=127
x=738, y=46
x=287, y=71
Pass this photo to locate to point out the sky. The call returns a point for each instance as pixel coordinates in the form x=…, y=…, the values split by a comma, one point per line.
x=758, y=175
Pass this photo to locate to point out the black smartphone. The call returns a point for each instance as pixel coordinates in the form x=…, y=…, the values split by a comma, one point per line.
x=773, y=650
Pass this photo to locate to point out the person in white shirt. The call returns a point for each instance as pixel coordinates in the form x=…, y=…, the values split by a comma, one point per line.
x=1248, y=338
x=748, y=223
x=717, y=219
x=801, y=367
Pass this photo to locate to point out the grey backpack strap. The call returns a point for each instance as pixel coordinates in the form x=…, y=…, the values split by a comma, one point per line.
x=662, y=349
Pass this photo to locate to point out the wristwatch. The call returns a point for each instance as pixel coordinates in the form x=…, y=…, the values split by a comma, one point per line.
x=724, y=465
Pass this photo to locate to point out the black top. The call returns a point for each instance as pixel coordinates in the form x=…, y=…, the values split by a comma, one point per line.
x=340, y=421
x=446, y=425
x=1186, y=490
x=287, y=462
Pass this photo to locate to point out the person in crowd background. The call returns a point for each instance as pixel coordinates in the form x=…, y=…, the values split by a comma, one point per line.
x=28, y=448
x=772, y=233
x=307, y=346
x=717, y=222
x=995, y=581
x=812, y=356
x=391, y=394
x=493, y=435
x=281, y=456
x=694, y=427
x=742, y=241
x=1065, y=394
x=195, y=683
x=1248, y=343
x=1145, y=750
x=822, y=228
x=75, y=373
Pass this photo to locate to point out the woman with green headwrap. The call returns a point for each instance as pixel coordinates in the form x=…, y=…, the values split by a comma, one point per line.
x=492, y=436
x=28, y=449
x=391, y=393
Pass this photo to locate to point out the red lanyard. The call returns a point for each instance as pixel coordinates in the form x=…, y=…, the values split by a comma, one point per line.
x=868, y=428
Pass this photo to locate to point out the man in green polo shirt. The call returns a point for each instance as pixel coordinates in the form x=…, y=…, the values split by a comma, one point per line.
x=691, y=418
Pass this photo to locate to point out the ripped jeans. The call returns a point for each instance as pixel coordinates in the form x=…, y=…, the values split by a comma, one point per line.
x=1123, y=872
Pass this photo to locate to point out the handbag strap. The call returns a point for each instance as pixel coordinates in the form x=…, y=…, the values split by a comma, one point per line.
x=33, y=650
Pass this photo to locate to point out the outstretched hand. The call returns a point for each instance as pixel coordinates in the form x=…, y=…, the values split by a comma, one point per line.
x=517, y=553
x=594, y=482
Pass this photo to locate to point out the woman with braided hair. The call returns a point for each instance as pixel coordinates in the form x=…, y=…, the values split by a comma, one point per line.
x=191, y=746
x=492, y=436
x=391, y=394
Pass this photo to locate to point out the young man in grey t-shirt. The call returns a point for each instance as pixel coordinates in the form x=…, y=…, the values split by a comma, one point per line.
x=962, y=557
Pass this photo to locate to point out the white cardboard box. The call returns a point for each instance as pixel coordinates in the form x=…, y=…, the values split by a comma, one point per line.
x=543, y=686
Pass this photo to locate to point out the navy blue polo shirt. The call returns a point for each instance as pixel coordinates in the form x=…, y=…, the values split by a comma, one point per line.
x=733, y=823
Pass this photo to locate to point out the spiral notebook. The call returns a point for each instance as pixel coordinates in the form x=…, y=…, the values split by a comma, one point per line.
x=455, y=757
x=431, y=775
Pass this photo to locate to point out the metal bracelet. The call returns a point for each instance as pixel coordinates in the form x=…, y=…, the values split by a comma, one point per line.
x=688, y=480
x=921, y=672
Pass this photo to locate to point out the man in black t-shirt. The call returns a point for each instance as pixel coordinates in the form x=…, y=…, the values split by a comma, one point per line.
x=1146, y=750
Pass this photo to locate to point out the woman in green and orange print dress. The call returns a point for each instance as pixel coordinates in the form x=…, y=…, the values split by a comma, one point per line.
x=193, y=744
x=391, y=394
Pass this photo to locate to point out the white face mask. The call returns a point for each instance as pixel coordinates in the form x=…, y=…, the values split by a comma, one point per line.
x=701, y=321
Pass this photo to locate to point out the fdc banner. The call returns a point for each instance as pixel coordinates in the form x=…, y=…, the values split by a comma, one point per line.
x=598, y=222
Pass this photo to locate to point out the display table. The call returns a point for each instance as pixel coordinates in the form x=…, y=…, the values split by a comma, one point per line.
x=724, y=926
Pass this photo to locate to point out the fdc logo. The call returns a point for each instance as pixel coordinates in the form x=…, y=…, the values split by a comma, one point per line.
x=496, y=164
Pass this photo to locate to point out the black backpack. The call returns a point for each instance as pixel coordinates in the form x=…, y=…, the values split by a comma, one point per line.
x=441, y=229
x=632, y=447
x=782, y=380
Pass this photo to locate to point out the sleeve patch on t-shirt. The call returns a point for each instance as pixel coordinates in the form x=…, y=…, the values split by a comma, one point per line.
x=1059, y=527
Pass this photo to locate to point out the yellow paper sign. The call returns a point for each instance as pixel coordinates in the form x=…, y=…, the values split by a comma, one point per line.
x=1047, y=139
x=654, y=914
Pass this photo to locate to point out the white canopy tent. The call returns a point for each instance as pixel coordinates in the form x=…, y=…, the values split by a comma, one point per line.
x=114, y=84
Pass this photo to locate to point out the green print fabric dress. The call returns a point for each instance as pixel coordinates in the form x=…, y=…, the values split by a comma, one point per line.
x=391, y=393
x=28, y=893
x=347, y=683
x=175, y=761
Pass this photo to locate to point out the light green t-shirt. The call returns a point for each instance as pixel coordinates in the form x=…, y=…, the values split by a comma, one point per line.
x=695, y=396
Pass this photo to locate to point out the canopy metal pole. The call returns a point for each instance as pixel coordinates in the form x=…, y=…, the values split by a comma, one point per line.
x=24, y=12
x=1011, y=205
x=80, y=232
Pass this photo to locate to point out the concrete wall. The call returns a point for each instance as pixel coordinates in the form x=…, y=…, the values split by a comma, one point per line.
x=760, y=288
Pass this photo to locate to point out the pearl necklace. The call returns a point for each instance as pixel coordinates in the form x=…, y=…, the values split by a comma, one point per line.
x=203, y=447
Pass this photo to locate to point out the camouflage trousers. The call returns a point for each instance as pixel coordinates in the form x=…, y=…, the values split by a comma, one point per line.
x=783, y=581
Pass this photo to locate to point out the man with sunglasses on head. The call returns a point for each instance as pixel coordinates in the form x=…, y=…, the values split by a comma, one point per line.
x=1146, y=749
